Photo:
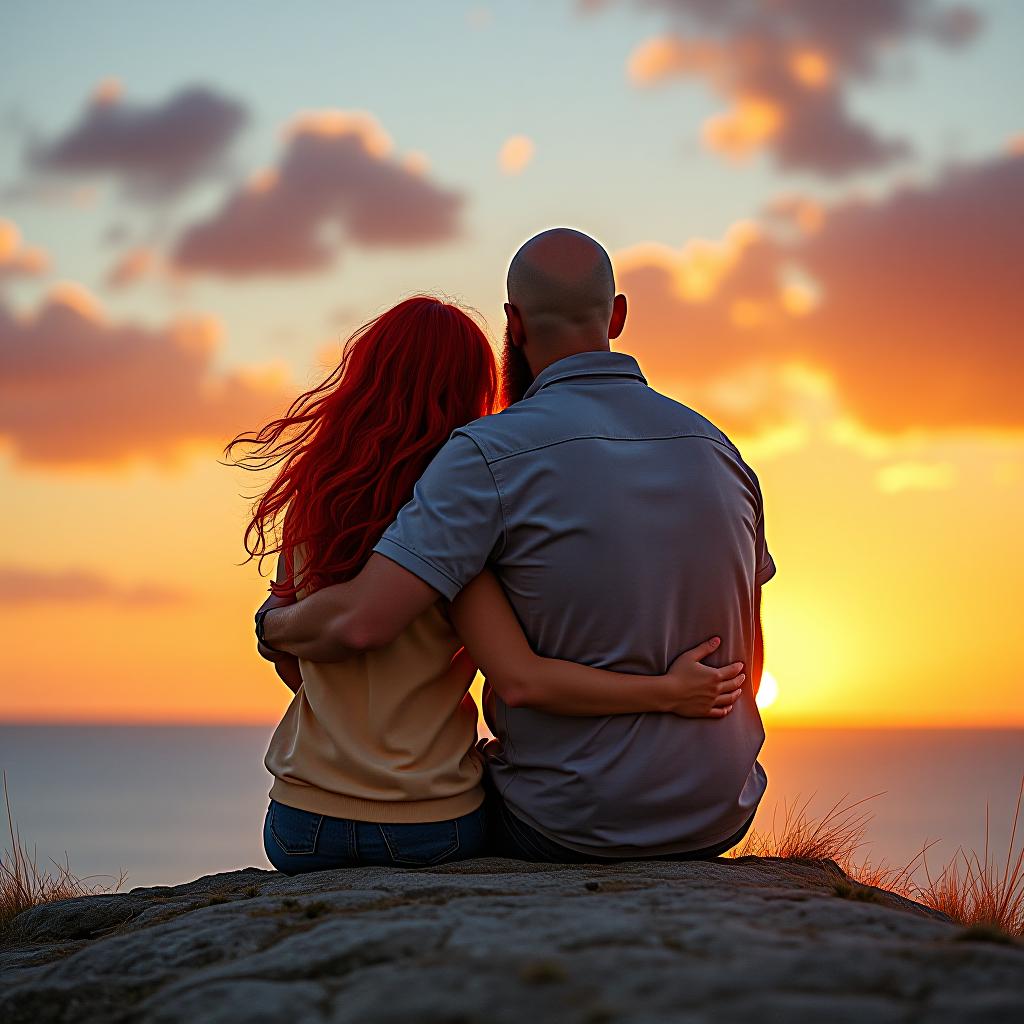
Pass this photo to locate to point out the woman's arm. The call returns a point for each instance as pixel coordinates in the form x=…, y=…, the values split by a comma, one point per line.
x=494, y=639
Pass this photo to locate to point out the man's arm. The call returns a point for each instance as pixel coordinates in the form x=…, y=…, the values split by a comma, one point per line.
x=361, y=615
x=441, y=540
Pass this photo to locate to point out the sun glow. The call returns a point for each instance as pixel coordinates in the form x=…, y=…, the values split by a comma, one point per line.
x=768, y=690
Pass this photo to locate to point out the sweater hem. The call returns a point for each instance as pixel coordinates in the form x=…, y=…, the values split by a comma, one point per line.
x=337, y=805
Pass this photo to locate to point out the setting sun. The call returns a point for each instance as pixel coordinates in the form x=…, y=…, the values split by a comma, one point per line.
x=768, y=692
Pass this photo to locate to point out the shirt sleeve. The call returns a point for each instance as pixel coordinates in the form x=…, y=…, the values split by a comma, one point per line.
x=765, y=562
x=453, y=525
x=762, y=556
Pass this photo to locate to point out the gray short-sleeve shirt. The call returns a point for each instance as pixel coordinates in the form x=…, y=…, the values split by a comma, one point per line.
x=625, y=528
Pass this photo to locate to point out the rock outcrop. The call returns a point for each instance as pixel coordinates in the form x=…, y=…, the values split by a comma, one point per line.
x=745, y=940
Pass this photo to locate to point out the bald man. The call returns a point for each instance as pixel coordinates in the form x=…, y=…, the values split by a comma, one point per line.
x=625, y=528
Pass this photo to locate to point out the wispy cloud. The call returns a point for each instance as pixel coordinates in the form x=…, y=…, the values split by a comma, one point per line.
x=131, y=266
x=153, y=150
x=24, y=585
x=915, y=476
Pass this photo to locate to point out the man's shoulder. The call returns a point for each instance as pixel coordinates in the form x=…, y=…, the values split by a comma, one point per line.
x=509, y=431
x=546, y=419
x=674, y=414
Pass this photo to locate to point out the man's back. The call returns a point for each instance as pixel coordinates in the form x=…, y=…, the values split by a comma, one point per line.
x=630, y=530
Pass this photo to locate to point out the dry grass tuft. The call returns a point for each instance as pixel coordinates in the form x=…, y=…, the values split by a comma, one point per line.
x=24, y=884
x=974, y=891
x=837, y=835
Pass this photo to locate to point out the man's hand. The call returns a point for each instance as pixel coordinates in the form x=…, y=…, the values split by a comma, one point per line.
x=696, y=690
x=288, y=671
x=286, y=665
x=272, y=601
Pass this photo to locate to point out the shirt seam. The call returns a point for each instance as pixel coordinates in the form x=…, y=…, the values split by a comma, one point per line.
x=596, y=437
x=497, y=491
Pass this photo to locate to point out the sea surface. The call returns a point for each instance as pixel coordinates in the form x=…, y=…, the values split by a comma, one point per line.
x=168, y=804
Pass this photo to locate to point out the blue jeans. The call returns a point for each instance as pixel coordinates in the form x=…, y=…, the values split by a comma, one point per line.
x=297, y=841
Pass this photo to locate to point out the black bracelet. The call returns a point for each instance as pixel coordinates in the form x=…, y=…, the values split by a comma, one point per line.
x=260, y=616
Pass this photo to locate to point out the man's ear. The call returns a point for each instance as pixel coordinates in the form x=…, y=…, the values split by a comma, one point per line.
x=618, y=320
x=515, y=325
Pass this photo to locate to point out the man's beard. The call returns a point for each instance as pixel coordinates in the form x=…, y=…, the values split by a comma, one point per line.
x=516, y=375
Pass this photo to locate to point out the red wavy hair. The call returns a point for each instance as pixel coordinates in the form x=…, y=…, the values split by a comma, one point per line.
x=351, y=449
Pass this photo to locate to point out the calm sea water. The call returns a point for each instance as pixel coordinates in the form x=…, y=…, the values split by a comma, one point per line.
x=168, y=804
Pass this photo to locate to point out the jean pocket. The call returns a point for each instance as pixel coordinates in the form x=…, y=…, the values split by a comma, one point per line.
x=295, y=831
x=423, y=844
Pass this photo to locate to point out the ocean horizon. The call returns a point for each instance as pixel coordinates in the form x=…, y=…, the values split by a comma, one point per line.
x=167, y=804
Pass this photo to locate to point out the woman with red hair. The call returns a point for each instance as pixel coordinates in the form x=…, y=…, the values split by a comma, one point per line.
x=375, y=760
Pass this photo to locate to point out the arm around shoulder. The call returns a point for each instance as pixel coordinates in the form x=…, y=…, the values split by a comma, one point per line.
x=363, y=614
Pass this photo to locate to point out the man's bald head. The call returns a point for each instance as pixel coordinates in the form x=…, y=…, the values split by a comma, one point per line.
x=561, y=277
x=561, y=298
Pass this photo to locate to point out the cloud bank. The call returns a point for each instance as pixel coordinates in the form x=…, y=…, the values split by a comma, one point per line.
x=786, y=68
x=910, y=305
x=77, y=389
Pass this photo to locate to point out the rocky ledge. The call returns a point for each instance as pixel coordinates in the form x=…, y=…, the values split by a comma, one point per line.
x=492, y=941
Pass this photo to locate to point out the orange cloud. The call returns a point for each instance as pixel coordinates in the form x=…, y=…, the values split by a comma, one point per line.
x=921, y=310
x=663, y=57
x=153, y=150
x=746, y=128
x=29, y=586
x=910, y=305
x=338, y=181
x=79, y=389
x=131, y=266
x=785, y=68
x=915, y=476
x=797, y=212
x=17, y=259
x=698, y=268
x=516, y=152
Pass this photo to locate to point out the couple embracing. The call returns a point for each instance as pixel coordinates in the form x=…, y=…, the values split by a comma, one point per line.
x=595, y=549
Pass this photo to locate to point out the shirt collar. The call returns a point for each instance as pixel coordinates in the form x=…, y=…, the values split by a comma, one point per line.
x=587, y=364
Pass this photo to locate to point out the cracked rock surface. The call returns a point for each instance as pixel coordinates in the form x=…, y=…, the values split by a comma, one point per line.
x=494, y=941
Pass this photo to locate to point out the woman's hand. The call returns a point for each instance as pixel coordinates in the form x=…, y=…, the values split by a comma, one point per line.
x=700, y=691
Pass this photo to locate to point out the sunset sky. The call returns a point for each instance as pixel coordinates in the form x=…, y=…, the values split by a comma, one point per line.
x=815, y=207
